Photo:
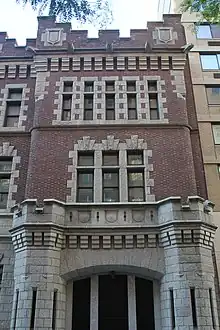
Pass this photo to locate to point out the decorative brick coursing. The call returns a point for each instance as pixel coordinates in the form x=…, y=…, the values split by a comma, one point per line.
x=23, y=107
x=121, y=113
x=7, y=150
x=86, y=144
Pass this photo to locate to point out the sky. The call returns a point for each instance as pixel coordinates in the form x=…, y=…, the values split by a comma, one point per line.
x=21, y=22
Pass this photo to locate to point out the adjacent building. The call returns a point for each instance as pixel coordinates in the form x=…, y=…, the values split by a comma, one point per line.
x=204, y=62
x=104, y=216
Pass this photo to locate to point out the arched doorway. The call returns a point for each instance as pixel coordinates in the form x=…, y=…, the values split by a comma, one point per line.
x=113, y=301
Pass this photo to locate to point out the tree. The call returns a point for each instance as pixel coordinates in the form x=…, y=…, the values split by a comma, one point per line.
x=97, y=11
x=209, y=9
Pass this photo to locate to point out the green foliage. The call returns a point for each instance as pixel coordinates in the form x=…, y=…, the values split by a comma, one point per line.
x=97, y=12
x=209, y=9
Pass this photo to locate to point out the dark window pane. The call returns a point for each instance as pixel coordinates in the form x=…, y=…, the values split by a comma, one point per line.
x=13, y=109
x=5, y=166
x=154, y=114
x=215, y=31
x=152, y=86
x=68, y=86
x=110, y=159
x=135, y=179
x=85, y=180
x=110, y=179
x=110, y=114
x=88, y=115
x=110, y=195
x=209, y=62
x=110, y=102
x=85, y=195
x=153, y=101
x=11, y=121
x=66, y=115
x=135, y=158
x=131, y=86
x=110, y=86
x=136, y=194
x=85, y=160
x=3, y=200
x=88, y=103
x=4, y=184
x=132, y=114
x=89, y=86
x=131, y=101
x=203, y=32
x=15, y=94
x=67, y=102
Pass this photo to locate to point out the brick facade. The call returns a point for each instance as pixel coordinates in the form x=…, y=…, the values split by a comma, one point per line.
x=48, y=220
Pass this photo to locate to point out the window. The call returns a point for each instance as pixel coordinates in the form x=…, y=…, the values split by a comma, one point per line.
x=68, y=87
x=210, y=62
x=135, y=158
x=216, y=133
x=131, y=86
x=85, y=159
x=67, y=105
x=213, y=95
x=135, y=169
x=110, y=159
x=132, y=107
x=67, y=100
x=89, y=86
x=5, y=174
x=110, y=86
x=110, y=106
x=110, y=176
x=85, y=177
x=13, y=107
x=88, y=107
x=205, y=31
x=153, y=100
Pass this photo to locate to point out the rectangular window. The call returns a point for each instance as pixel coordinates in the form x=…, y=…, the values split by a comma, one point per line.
x=88, y=107
x=110, y=106
x=85, y=186
x=216, y=133
x=135, y=158
x=210, y=62
x=68, y=87
x=153, y=100
x=213, y=95
x=110, y=86
x=131, y=86
x=206, y=31
x=13, y=107
x=135, y=185
x=132, y=106
x=110, y=186
x=212, y=308
x=110, y=158
x=33, y=309
x=5, y=174
x=173, y=321
x=54, y=310
x=85, y=159
x=89, y=87
x=67, y=105
x=1, y=273
x=193, y=306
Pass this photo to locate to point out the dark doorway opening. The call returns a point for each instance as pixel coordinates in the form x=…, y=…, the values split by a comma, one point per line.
x=81, y=305
x=144, y=304
x=113, y=302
